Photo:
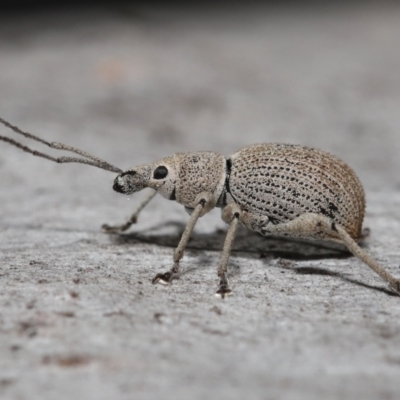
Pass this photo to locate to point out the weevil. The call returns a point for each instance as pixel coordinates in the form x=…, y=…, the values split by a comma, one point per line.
x=274, y=189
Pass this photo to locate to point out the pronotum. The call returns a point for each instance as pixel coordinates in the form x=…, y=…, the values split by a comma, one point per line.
x=273, y=189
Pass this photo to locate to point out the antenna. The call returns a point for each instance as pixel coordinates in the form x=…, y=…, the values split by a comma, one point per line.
x=88, y=158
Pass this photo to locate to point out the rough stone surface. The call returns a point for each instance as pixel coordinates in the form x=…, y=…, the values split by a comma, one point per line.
x=79, y=317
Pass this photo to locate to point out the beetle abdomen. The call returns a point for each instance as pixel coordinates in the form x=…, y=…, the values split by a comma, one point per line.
x=284, y=181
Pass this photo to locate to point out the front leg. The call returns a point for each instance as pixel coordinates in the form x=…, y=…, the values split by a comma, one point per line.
x=132, y=219
x=203, y=205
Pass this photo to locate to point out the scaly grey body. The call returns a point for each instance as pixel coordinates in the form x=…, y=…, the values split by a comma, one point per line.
x=282, y=182
x=274, y=189
x=271, y=183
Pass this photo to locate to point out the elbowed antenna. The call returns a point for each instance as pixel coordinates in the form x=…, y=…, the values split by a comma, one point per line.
x=88, y=158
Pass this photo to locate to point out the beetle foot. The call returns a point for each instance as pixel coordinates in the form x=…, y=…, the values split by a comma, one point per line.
x=164, y=278
x=111, y=229
x=118, y=228
x=167, y=277
x=223, y=288
x=395, y=287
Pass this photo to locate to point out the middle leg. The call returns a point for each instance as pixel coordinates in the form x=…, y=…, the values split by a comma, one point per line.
x=230, y=215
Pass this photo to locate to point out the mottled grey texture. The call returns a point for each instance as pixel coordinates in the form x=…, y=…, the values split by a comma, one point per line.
x=79, y=317
x=186, y=176
x=285, y=181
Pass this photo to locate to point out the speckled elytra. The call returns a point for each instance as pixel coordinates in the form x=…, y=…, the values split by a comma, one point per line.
x=273, y=189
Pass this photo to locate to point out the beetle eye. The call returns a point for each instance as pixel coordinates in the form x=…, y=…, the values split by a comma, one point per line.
x=160, y=172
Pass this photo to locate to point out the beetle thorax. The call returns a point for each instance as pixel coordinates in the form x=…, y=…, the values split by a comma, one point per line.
x=198, y=172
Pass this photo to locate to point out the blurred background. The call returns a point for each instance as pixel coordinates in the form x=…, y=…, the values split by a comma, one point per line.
x=132, y=82
x=135, y=81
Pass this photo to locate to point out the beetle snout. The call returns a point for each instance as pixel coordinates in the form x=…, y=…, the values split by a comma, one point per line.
x=123, y=182
x=119, y=184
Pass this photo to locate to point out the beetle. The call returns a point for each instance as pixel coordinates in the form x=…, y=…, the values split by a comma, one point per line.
x=274, y=189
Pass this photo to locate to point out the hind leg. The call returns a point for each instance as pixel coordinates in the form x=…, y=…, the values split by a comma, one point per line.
x=315, y=225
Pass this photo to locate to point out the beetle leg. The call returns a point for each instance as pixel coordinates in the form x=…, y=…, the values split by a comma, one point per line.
x=203, y=205
x=393, y=282
x=315, y=224
x=230, y=215
x=133, y=218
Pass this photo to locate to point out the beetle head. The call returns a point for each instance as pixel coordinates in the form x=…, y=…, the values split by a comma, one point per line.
x=159, y=176
x=181, y=177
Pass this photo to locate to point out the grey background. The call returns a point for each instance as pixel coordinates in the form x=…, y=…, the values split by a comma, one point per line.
x=79, y=317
